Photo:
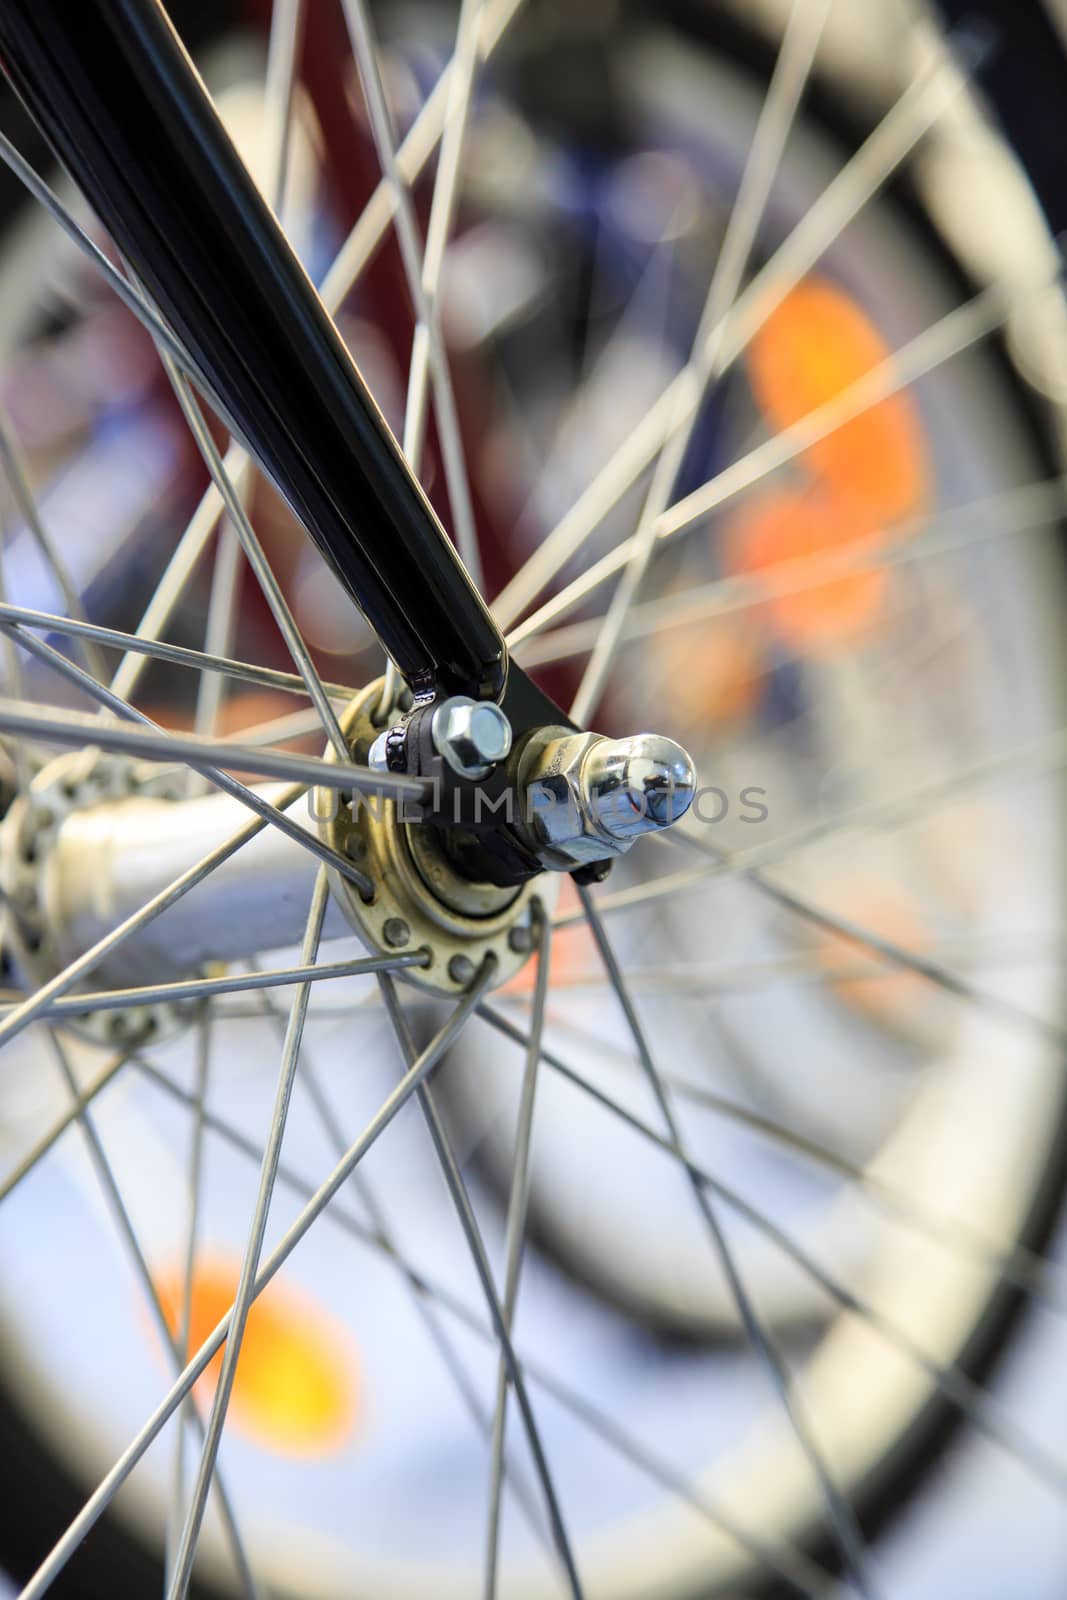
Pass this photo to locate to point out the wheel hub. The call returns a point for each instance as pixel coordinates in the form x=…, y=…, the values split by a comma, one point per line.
x=421, y=901
x=33, y=895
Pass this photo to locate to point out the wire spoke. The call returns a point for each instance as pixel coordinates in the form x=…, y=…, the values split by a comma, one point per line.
x=219, y=630
x=177, y=655
x=20, y=755
x=840, y=1515
x=316, y=1206
x=207, y=755
x=207, y=1469
x=255, y=557
x=1016, y=1264
x=788, y=82
x=283, y=51
x=1032, y=506
x=1043, y=755
x=19, y=479
x=421, y=1300
x=278, y=730
x=794, y=967
x=950, y=336
x=428, y=352
x=179, y=570
x=518, y=1201
x=1024, y=1268
x=885, y=949
x=469, y=1224
x=411, y=157
x=189, y=989
x=84, y=1097
x=428, y=355
x=968, y=1397
x=283, y=48
x=858, y=181
x=130, y=296
x=176, y=1514
x=804, y=1577
x=124, y=1226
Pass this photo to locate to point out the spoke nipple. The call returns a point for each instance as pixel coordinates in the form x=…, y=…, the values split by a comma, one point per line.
x=396, y=933
x=461, y=969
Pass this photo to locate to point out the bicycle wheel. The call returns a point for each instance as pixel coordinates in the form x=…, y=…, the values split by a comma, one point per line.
x=780, y=1101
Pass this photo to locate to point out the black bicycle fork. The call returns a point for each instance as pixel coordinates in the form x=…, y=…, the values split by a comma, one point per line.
x=124, y=110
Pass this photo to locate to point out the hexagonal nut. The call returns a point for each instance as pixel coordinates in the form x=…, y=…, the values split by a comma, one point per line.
x=471, y=735
x=554, y=810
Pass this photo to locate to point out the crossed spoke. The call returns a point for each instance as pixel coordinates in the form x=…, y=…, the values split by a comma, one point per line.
x=208, y=755
x=518, y=1201
x=732, y=315
x=952, y=335
x=858, y=181
x=429, y=359
x=207, y=1469
x=805, y=1578
x=1033, y=506
x=202, y=661
x=468, y=1222
x=953, y=1382
x=18, y=478
x=787, y=85
x=840, y=1515
x=422, y=1301
x=127, y=1232
x=175, y=1512
x=315, y=1207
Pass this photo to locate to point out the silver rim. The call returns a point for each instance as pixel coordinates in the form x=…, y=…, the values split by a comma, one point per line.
x=880, y=1300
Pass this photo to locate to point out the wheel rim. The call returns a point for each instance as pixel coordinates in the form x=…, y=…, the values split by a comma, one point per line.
x=790, y=1499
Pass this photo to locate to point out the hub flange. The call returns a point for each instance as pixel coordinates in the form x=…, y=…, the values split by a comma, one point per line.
x=420, y=900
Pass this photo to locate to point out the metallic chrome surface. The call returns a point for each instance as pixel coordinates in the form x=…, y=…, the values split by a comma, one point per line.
x=635, y=786
x=459, y=922
x=472, y=736
x=378, y=754
x=105, y=849
x=586, y=798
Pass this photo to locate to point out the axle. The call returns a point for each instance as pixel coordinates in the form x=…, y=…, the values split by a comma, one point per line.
x=74, y=877
x=95, y=839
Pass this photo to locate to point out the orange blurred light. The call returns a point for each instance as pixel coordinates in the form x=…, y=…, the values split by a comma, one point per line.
x=714, y=670
x=890, y=992
x=786, y=525
x=816, y=343
x=573, y=956
x=296, y=1389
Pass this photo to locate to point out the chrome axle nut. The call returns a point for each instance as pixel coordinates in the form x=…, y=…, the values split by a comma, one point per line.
x=587, y=798
x=471, y=735
x=638, y=785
